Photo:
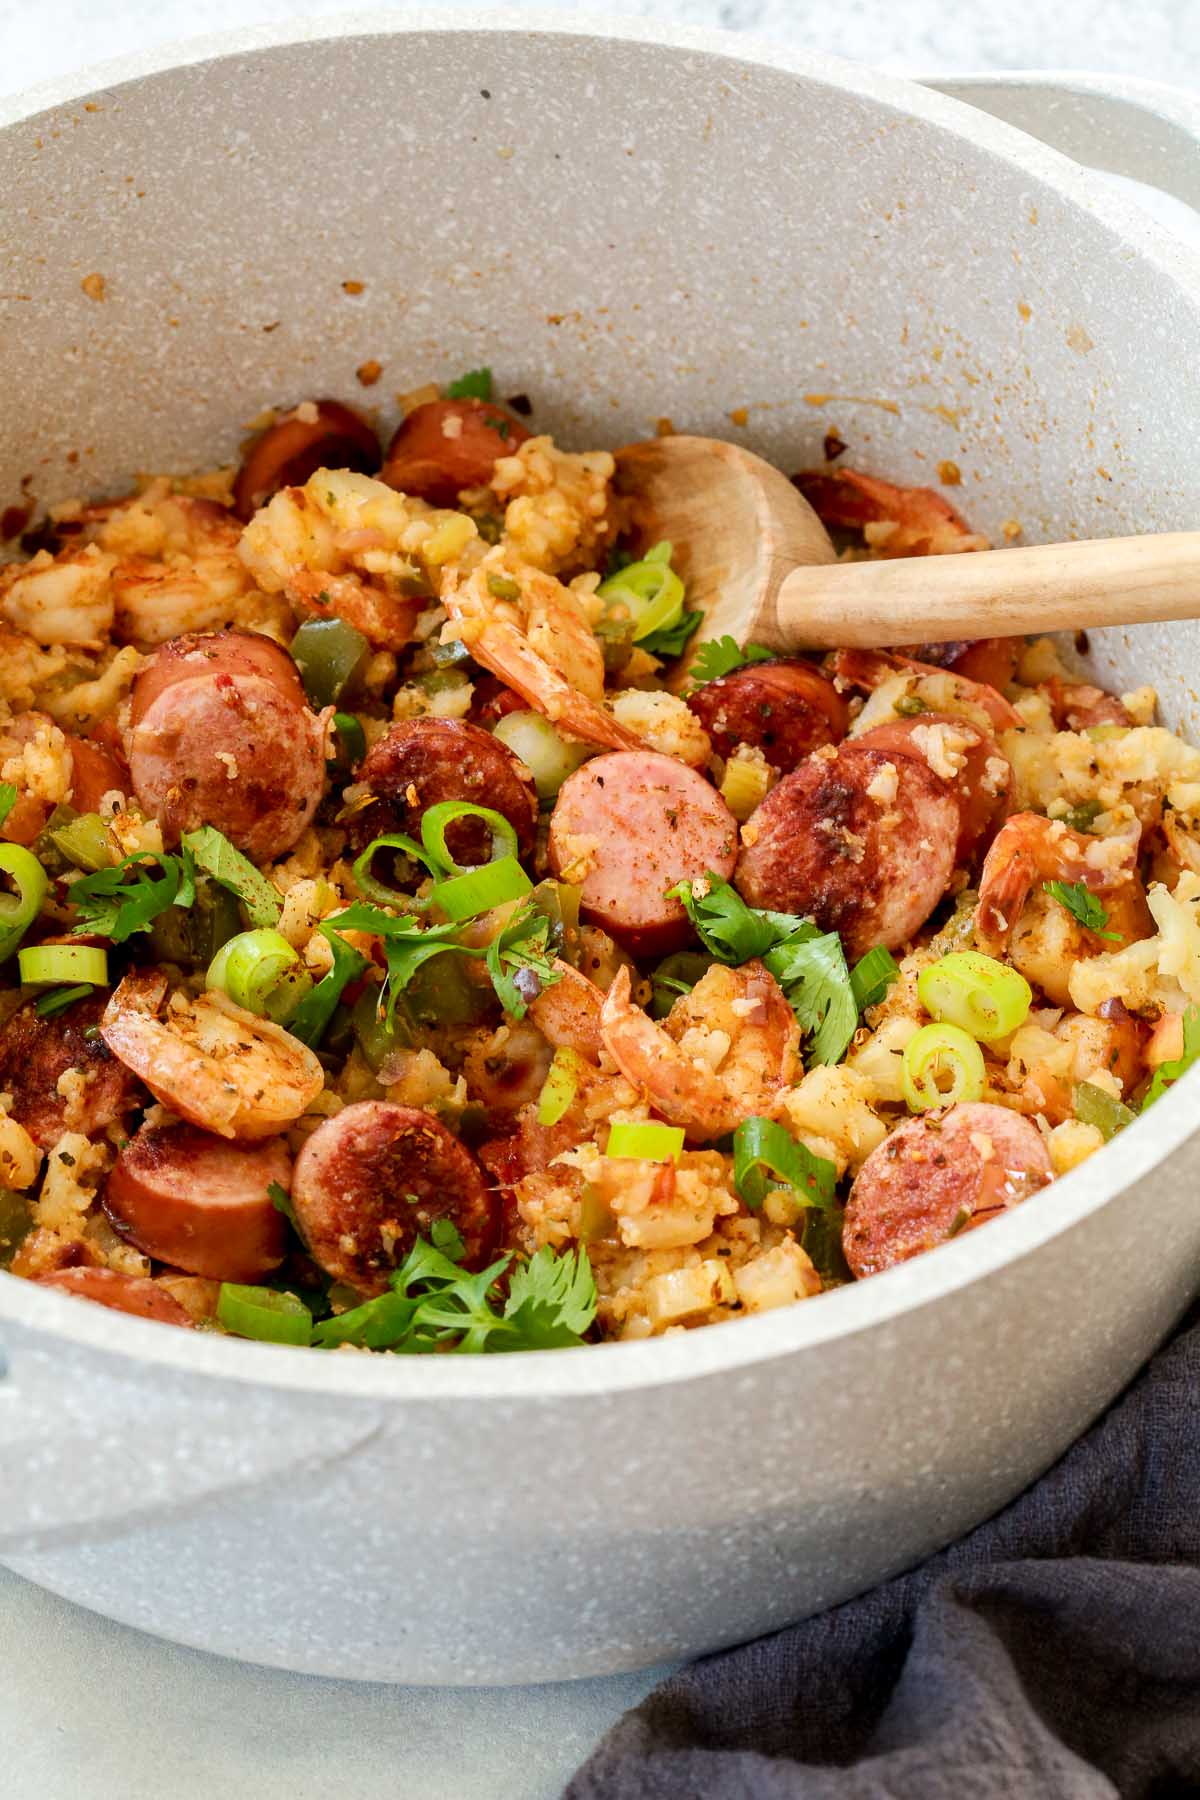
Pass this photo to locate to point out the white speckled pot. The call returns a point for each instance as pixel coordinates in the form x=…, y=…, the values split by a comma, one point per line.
x=627, y=230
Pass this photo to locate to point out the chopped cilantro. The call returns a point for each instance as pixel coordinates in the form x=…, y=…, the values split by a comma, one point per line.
x=214, y=853
x=872, y=976
x=115, y=903
x=519, y=959
x=434, y=1304
x=1082, y=905
x=476, y=384
x=721, y=656
x=311, y=1019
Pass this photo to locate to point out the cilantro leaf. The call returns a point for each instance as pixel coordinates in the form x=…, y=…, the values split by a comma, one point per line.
x=813, y=975
x=808, y=964
x=214, y=853
x=8, y=799
x=721, y=656
x=519, y=960
x=311, y=1019
x=476, y=384
x=671, y=640
x=552, y=1299
x=435, y=1304
x=872, y=976
x=1082, y=905
x=729, y=929
x=115, y=903
x=1169, y=1072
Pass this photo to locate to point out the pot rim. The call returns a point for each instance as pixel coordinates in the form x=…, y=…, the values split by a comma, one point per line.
x=736, y=1344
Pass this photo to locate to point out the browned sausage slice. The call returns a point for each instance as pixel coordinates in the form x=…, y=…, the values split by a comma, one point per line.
x=288, y=452
x=447, y=445
x=222, y=735
x=199, y=1202
x=124, y=1293
x=966, y=757
x=420, y=762
x=938, y=1175
x=375, y=1177
x=36, y=1053
x=629, y=826
x=785, y=709
x=860, y=841
x=94, y=773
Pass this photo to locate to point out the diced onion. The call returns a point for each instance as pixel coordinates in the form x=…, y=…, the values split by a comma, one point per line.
x=941, y=1066
x=549, y=757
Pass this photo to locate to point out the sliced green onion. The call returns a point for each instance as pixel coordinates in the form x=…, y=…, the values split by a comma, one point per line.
x=649, y=593
x=983, y=997
x=560, y=1087
x=263, y=1313
x=436, y=820
x=330, y=656
x=46, y=965
x=503, y=588
x=466, y=896
x=650, y=1143
x=549, y=757
x=86, y=842
x=661, y=552
x=311, y=1018
x=1095, y=1106
x=352, y=735
x=250, y=966
x=213, y=852
x=19, y=910
x=371, y=887
x=8, y=799
x=872, y=976
x=937, y=1055
x=58, y=1000
x=767, y=1156
x=289, y=994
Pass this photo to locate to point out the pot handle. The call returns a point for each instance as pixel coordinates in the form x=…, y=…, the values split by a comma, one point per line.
x=1143, y=130
x=88, y=1453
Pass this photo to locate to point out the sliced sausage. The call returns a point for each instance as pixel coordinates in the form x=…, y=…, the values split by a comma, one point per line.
x=221, y=734
x=630, y=825
x=123, y=1293
x=288, y=452
x=94, y=773
x=785, y=709
x=199, y=1202
x=965, y=757
x=937, y=1175
x=447, y=445
x=420, y=762
x=375, y=1177
x=860, y=841
x=36, y=1053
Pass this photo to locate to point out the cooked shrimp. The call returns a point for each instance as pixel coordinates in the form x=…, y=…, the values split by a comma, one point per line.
x=347, y=544
x=897, y=521
x=727, y=1049
x=541, y=646
x=568, y=1012
x=1077, y=706
x=897, y=684
x=1039, y=935
x=211, y=1062
x=64, y=599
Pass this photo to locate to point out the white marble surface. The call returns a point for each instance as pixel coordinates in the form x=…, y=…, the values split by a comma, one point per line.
x=94, y=1711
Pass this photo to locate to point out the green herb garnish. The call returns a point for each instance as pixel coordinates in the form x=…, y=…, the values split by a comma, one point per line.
x=1169, y=1072
x=671, y=640
x=8, y=799
x=721, y=656
x=214, y=853
x=1082, y=905
x=115, y=903
x=476, y=384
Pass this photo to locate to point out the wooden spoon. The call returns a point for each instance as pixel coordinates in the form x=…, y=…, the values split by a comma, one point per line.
x=757, y=562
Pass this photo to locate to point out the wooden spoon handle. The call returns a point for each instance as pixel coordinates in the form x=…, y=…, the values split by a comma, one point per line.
x=990, y=593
